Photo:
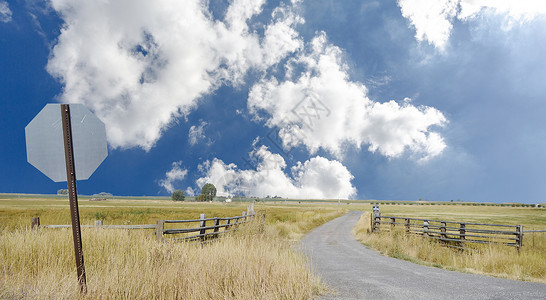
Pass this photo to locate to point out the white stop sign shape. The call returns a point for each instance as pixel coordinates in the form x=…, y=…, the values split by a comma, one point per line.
x=45, y=143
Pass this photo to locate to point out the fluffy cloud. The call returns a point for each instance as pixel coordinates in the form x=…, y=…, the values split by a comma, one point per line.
x=316, y=178
x=176, y=173
x=5, y=12
x=139, y=65
x=320, y=107
x=196, y=133
x=433, y=20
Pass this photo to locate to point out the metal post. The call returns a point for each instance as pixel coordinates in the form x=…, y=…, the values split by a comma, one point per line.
x=73, y=195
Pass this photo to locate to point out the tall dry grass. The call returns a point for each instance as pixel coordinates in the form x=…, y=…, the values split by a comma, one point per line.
x=292, y=223
x=493, y=260
x=120, y=264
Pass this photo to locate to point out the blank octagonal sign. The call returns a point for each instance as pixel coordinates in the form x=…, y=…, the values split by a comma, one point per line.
x=45, y=142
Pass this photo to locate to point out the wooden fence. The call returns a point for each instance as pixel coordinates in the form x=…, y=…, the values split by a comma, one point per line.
x=205, y=230
x=214, y=228
x=453, y=234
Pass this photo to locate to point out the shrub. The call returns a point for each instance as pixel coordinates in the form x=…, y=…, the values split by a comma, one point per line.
x=178, y=195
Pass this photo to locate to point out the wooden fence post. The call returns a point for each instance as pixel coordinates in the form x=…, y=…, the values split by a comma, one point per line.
x=407, y=225
x=425, y=228
x=376, y=220
x=519, y=231
x=393, y=221
x=244, y=216
x=443, y=230
x=159, y=230
x=216, y=224
x=35, y=223
x=377, y=223
x=462, y=231
x=227, y=224
x=98, y=223
x=371, y=222
x=202, y=224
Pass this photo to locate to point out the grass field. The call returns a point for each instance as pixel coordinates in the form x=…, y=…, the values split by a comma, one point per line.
x=123, y=264
x=527, y=216
x=249, y=265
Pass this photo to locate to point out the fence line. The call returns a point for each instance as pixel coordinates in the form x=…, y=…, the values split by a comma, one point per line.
x=216, y=227
x=454, y=234
x=230, y=223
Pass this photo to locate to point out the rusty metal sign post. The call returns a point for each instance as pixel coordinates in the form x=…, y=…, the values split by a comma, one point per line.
x=73, y=195
x=66, y=144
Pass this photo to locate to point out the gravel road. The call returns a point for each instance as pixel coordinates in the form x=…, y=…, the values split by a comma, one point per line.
x=354, y=271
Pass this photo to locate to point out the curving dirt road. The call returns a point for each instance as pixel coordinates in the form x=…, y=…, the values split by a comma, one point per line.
x=353, y=271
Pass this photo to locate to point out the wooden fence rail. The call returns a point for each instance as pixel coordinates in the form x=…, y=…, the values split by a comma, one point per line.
x=453, y=234
x=229, y=224
x=214, y=225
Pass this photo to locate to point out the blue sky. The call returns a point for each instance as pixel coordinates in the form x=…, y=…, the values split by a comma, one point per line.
x=303, y=99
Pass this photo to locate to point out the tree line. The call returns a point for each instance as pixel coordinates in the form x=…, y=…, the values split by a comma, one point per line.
x=208, y=192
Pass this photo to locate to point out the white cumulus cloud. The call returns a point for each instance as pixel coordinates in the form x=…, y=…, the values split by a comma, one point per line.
x=140, y=64
x=176, y=173
x=433, y=20
x=320, y=107
x=316, y=178
x=5, y=12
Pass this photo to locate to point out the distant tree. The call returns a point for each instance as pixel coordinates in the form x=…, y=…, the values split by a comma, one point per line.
x=200, y=198
x=62, y=192
x=208, y=191
x=178, y=195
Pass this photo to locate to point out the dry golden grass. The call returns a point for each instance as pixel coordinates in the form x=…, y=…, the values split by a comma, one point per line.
x=294, y=222
x=133, y=265
x=493, y=260
x=121, y=264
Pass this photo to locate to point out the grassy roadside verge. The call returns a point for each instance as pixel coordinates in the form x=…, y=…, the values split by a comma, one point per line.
x=122, y=264
x=498, y=261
